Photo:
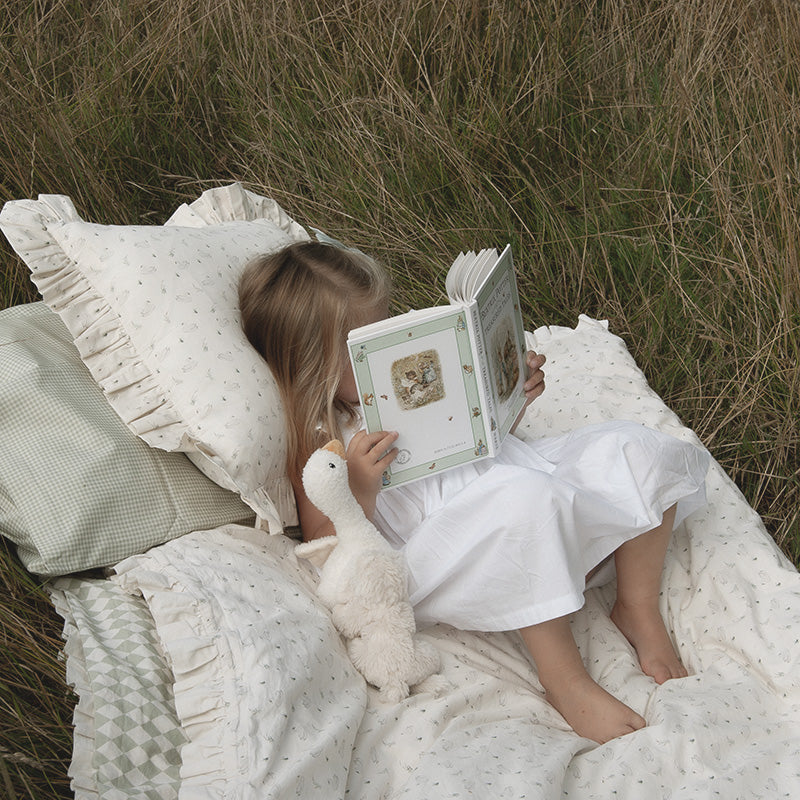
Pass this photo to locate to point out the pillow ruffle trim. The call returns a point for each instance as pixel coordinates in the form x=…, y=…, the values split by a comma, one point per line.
x=231, y=204
x=200, y=661
x=105, y=346
x=83, y=716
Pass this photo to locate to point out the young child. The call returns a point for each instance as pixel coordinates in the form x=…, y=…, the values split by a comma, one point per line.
x=506, y=543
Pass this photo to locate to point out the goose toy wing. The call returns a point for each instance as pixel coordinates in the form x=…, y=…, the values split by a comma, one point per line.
x=317, y=550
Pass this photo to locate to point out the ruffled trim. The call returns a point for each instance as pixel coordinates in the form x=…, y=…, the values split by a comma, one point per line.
x=200, y=661
x=99, y=334
x=274, y=502
x=81, y=770
x=235, y=203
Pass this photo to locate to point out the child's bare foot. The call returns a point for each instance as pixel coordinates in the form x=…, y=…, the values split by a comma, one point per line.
x=590, y=710
x=644, y=628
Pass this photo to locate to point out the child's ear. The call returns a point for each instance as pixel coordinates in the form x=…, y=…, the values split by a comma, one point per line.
x=317, y=550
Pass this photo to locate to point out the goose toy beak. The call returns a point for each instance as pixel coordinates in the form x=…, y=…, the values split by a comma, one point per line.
x=335, y=446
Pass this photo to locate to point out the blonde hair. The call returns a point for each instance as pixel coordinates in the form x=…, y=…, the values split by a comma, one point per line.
x=297, y=307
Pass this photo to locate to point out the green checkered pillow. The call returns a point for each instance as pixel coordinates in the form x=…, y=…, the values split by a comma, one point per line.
x=77, y=488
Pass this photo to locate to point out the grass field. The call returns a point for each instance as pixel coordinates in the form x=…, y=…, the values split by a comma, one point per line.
x=642, y=159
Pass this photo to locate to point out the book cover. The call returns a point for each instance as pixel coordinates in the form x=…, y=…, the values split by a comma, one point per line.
x=449, y=378
x=497, y=303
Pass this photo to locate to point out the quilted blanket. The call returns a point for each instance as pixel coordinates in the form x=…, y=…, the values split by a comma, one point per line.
x=208, y=669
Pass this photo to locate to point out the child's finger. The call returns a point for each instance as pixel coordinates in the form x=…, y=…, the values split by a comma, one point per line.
x=359, y=444
x=535, y=360
x=534, y=392
x=536, y=378
x=384, y=446
x=388, y=458
x=363, y=442
x=380, y=438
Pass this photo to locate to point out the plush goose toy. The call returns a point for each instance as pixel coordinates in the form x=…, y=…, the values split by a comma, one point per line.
x=364, y=583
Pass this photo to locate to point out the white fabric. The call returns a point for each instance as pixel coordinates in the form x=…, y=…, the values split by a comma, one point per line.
x=264, y=690
x=260, y=672
x=274, y=711
x=154, y=313
x=504, y=543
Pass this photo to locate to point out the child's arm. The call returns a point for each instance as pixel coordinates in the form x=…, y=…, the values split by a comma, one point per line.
x=534, y=384
x=368, y=455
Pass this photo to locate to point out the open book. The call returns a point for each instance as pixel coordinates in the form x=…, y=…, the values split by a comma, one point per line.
x=448, y=379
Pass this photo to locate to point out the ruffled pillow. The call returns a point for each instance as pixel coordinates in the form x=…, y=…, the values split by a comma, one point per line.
x=154, y=313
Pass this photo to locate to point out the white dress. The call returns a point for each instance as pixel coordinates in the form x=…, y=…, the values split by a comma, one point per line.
x=506, y=542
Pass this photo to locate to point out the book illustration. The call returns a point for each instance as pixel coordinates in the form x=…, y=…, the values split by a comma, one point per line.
x=402, y=457
x=367, y=398
x=481, y=449
x=506, y=360
x=417, y=380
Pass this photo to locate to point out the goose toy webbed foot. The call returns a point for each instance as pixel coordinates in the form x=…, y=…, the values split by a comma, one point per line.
x=364, y=583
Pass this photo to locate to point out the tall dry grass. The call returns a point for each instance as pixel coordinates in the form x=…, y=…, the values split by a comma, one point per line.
x=642, y=158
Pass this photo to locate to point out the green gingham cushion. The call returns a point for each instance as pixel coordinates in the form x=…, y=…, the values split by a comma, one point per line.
x=77, y=489
x=127, y=736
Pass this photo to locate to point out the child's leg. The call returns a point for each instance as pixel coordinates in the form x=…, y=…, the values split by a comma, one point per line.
x=590, y=710
x=640, y=563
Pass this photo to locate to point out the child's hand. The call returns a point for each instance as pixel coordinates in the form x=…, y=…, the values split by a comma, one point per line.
x=368, y=455
x=534, y=383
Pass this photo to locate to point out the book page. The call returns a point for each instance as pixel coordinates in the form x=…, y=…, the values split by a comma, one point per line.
x=467, y=272
x=420, y=381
